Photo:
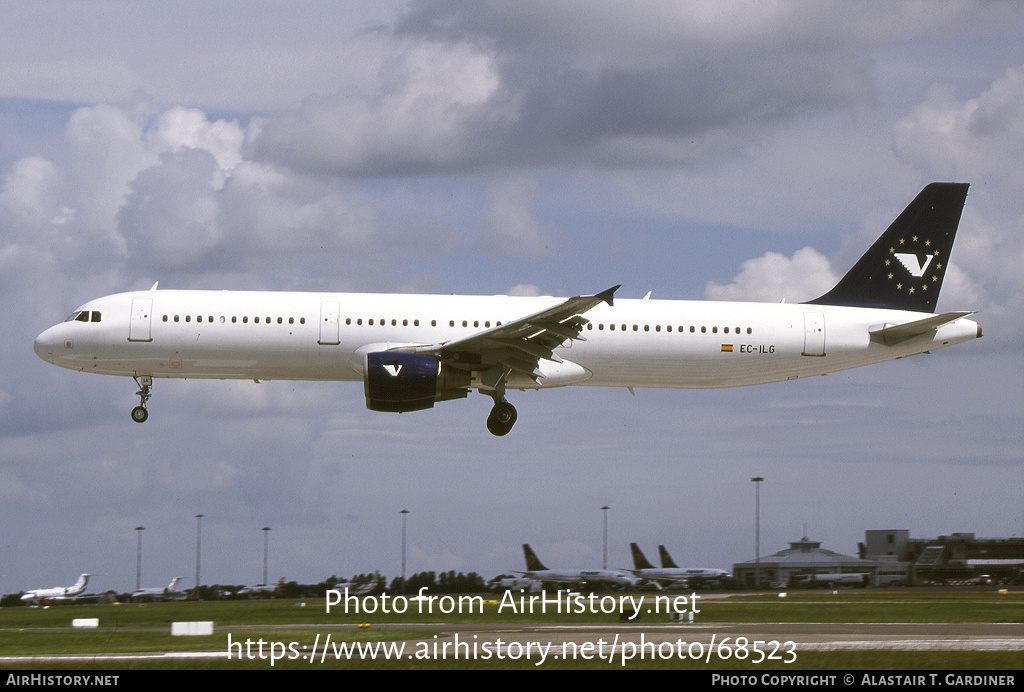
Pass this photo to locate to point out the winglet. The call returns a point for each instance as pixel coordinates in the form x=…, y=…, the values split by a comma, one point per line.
x=608, y=295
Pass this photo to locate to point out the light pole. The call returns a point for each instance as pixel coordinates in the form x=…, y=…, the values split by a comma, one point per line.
x=199, y=538
x=756, y=480
x=604, y=512
x=266, y=543
x=404, y=512
x=138, y=557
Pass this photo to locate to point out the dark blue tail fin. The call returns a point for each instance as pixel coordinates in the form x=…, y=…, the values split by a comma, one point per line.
x=904, y=269
x=666, y=559
x=532, y=563
x=639, y=559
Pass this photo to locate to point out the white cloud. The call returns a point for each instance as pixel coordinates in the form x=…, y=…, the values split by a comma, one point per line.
x=426, y=114
x=524, y=290
x=977, y=139
x=180, y=128
x=29, y=192
x=106, y=153
x=171, y=216
x=774, y=277
x=513, y=223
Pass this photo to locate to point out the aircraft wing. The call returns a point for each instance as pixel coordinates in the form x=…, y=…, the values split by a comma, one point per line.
x=520, y=344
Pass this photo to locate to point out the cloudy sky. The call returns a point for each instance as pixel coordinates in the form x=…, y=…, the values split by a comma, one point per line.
x=724, y=151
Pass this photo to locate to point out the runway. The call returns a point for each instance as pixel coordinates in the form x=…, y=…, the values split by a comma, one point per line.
x=612, y=643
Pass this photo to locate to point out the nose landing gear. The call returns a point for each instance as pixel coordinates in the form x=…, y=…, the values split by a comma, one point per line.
x=139, y=413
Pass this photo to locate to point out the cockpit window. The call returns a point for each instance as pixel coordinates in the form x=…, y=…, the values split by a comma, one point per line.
x=84, y=316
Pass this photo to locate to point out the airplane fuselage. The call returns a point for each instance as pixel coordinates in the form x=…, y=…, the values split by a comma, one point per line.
x=325, y=336
x=411, y=351
x=573, y=576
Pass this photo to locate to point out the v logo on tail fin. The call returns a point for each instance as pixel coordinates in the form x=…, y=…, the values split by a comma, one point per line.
x=917, y=265
x=904, y=269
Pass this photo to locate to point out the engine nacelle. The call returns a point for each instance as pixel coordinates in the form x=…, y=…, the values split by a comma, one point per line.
x=398, y=382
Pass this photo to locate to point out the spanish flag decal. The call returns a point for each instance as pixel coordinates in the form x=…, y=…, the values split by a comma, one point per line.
x=726, y=348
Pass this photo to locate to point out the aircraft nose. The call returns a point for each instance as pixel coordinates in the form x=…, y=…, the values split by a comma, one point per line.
x=44, y=345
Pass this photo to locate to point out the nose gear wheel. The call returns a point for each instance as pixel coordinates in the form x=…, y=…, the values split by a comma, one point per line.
x=139, y=413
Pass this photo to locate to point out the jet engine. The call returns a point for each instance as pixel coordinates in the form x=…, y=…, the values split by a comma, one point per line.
x=398, y=382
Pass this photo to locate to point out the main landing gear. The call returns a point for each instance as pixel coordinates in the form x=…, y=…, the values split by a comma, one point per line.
x=139, y=413
x=502, y=417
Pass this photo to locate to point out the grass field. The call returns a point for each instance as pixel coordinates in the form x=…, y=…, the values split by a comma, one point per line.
x=135, y=629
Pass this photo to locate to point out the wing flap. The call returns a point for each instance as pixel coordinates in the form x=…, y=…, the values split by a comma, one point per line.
x=522, y=343
x=546, y=329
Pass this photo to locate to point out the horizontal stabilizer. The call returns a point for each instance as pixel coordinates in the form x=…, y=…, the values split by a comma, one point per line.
x=894, y=334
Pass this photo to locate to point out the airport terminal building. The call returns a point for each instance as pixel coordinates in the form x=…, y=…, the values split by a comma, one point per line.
x=805, y=563
x=890, y=557
x=958, y=558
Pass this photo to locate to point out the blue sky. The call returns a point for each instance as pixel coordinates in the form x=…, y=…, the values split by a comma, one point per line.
x=731, y=151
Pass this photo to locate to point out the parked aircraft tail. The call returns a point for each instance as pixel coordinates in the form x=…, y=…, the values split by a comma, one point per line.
x=640, y=560
x=666, y=559
x=532, y=563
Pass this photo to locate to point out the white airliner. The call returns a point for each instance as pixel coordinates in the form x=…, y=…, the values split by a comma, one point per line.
x=411, y=351
x=57, y=593
x=607, y=577
x=670, y=575
x=260, y=590
x=167, y=593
